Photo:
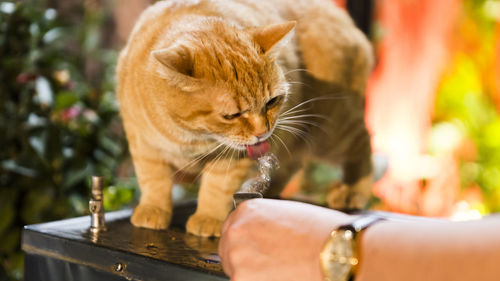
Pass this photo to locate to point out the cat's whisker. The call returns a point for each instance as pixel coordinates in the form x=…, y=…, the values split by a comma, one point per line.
x=296, y=132
x=300, y=83
x=229, y=164
x=327, y=97
x=300, y=123
x=284, y=145
x=306, y=115
x=227, y=156
x=197, y=159
x=293, y=130
x=295, y=111
x=221, y=155
x=295, y=70
x=291, y=95
x=213, y=162
x=304, y=124
x=301, y=104
x=273, y=142
x=232, y=154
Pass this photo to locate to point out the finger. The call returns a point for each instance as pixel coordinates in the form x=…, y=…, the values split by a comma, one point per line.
x=233, y=216
x=227, y=223
x=224, y=255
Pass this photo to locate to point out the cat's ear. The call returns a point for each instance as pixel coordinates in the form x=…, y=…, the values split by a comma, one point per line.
x=271, y=38
x=175, y=64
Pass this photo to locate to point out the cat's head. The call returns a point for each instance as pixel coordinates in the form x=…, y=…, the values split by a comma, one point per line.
x=224, y=82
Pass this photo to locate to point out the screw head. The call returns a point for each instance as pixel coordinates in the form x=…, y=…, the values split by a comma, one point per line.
x=118, y=267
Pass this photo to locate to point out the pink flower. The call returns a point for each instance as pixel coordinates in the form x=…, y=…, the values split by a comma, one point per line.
x=70, y=113
x=24, y=77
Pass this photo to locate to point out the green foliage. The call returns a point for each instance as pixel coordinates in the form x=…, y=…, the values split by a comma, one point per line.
x=122, y=192
x=465, y=111
x=58, y=119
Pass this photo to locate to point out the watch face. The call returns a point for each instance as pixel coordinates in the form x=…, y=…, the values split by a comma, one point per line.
x=338, y=256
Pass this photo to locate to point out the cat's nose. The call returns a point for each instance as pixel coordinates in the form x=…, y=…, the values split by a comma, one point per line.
x=259, y=124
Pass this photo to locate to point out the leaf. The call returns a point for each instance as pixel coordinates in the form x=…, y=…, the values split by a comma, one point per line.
x=65, y=100
x=38, y=144
x=7, y=7
x=6, y=216
x=12, y=166
x=10, y=241
x=79, y=204
x=35, y=121
x=112, y=146
x=52, y=35
x=17, y=265
x=76, y=176
x=36, y=204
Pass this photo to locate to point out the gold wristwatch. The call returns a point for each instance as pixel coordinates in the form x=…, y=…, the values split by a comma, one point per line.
x=340, y=255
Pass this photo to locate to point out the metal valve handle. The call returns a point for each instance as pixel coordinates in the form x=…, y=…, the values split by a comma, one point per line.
x=96, y=207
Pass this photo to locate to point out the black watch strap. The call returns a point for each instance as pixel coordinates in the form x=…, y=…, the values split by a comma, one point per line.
x=360, y=223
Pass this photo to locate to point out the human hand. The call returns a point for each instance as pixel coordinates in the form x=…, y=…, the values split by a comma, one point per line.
x=266, y=240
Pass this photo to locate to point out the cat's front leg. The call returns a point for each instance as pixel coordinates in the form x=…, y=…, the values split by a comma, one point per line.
x=219, y=181
x=155, y=206
x=155, y=181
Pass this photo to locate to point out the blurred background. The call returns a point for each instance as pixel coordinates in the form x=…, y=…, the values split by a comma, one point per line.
x=433, y=109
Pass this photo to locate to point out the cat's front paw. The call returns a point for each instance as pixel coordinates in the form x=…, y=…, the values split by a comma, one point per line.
x=149, y=216
x=205, y=226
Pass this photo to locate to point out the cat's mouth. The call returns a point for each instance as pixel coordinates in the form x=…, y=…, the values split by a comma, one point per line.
x=257, y=150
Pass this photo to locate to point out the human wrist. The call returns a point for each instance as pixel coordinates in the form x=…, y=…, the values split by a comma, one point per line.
x=397, y=241
x=340, y=256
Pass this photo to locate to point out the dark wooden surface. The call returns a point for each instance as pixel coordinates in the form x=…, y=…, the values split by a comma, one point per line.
x=133, y=253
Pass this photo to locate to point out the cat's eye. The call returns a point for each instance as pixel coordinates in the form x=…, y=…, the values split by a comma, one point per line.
x=273, y=102
x=232, y=116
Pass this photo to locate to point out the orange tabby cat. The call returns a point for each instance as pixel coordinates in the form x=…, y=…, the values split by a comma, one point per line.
x=201, y=81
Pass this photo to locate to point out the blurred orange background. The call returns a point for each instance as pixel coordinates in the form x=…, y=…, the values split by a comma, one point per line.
x=433, y=106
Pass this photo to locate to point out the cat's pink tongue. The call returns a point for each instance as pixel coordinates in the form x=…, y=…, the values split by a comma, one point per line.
x=257, y=150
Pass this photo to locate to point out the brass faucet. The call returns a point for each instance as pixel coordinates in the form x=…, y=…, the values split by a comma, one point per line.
x=96, y=206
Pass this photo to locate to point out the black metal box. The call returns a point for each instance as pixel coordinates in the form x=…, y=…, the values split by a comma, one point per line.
x=67, y=250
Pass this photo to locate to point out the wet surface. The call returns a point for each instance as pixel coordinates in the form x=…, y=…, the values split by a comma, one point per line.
x=172, y=246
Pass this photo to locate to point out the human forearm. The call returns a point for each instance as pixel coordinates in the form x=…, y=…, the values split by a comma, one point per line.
x=430, y=251
x=274, y=240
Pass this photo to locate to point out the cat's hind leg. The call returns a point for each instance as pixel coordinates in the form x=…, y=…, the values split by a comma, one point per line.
x=220, y=180
x=351, y=197
x=355, y=191
x=341, y=139
x=332, y=48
